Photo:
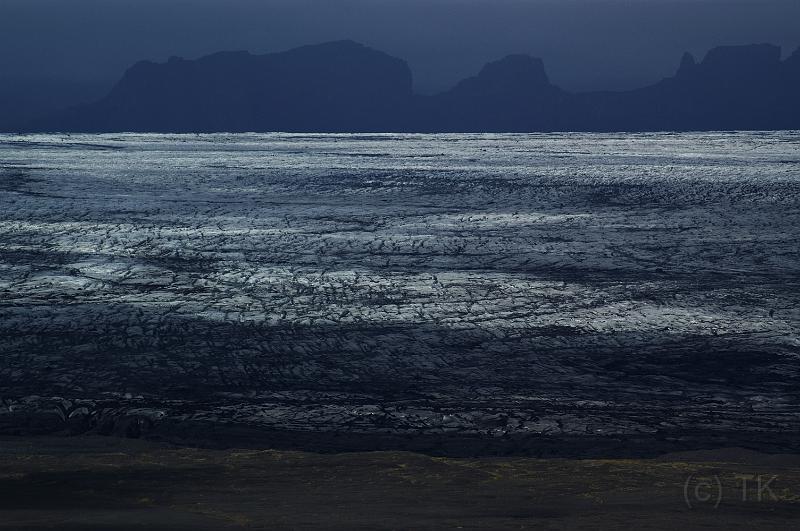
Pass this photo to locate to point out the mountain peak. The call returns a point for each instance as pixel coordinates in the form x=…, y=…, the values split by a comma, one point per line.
x=794, y=59
x=688, y=64
x=347, y=86
x=516, y=70
x=738, y=59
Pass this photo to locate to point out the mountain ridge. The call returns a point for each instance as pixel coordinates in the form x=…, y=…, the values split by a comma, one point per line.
x=344, y=86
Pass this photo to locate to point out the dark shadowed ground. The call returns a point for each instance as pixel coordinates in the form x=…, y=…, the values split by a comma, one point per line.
x=114, y=484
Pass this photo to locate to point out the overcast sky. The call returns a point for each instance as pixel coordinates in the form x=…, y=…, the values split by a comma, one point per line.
x=586, y=44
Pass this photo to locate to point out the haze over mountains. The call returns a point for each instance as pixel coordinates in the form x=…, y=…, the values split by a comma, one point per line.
x=344, y=86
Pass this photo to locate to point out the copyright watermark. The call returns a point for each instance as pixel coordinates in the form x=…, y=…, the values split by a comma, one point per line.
x=708, y=490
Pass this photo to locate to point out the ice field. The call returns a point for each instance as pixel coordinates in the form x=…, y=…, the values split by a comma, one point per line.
x=520, y=294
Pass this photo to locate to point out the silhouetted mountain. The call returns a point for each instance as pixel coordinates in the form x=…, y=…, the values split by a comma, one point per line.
x=790, y=84
x=734, y=87
x=344, y=86
x=792, y=64
x=329, y=87
x=509, y=95
x=23, y=100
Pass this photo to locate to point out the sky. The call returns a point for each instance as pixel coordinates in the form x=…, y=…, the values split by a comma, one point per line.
x=585, y=44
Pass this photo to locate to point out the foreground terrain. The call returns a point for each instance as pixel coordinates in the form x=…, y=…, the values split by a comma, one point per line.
x=112, y=484
x=583, y=295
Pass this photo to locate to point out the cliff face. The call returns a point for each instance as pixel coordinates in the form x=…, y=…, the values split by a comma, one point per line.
x=346, y=87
